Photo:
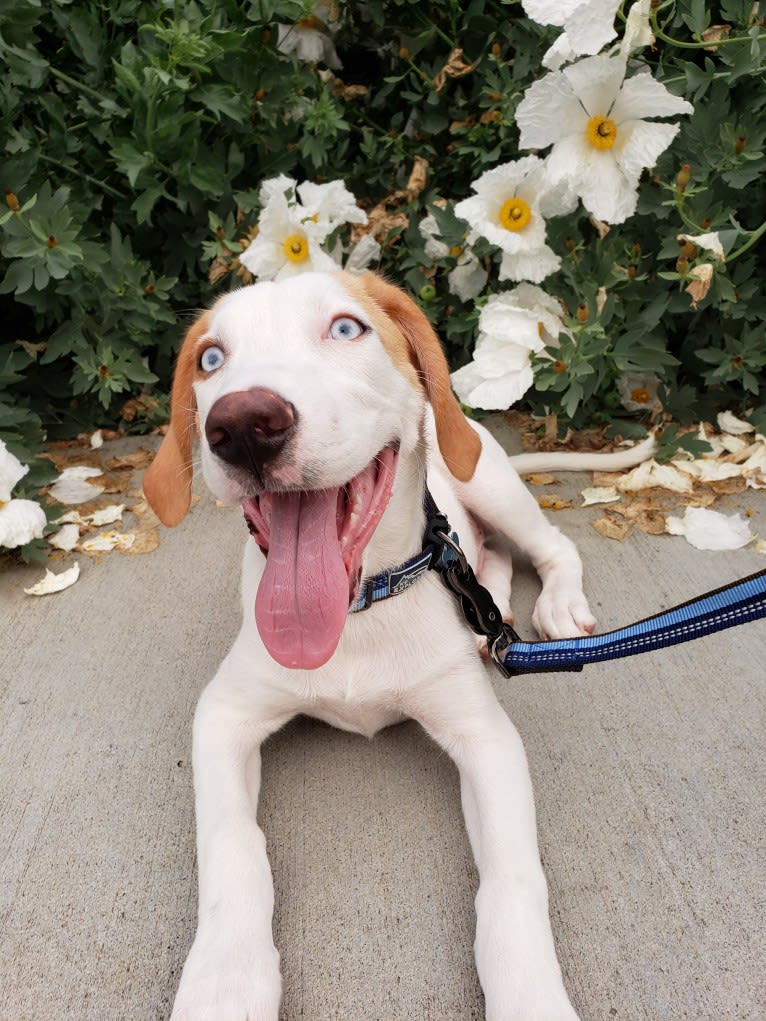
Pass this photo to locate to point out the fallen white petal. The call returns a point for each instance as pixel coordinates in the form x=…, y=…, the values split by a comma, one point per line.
x=729, y=423
x=96, y=440
x=66, y=538
x=80, y=471
x=72, y=517
x=754, y=468
x=106, y=516
x=710, y=471
x=599, y=494
x=756, y=478
x=74, y=490
x=104, y=542
x=733, y=444
x=51, y=582
x=650, y=474
x=675, y=525
x=710, y=530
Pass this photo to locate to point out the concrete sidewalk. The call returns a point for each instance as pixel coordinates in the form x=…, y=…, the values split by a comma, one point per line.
x=650, y=779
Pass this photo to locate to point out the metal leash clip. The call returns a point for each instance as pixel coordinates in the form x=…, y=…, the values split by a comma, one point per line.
x=479, y=608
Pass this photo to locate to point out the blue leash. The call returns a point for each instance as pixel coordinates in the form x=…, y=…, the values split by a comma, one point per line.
x=726, y=607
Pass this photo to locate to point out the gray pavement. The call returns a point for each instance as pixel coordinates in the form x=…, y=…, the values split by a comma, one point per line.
x=650, y=778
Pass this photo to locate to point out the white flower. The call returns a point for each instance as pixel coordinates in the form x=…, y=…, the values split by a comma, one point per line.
x=21, y=521
x=545, y=309
x=332, y=204
x=291, y=233
x=638, y=390
x=310, y=39
x=468, y=278
x=509, y=333
x=588, y=26
x=429, y=231
x=594, y=119
x=509, y=210
x=11, y=471
x=638, y=30
x=364, y=252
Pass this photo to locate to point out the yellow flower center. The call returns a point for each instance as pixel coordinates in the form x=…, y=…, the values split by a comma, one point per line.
x=296, y=248
x=601, y=132
x=515, y=214
x=640, y=395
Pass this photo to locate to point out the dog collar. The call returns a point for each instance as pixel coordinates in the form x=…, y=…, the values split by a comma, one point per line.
x=392, y=582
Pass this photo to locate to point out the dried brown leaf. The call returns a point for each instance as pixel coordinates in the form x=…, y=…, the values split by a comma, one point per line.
x=455, y=67
x=554, y=503
x=541, y=479
x=139, y=459
x=612, y=527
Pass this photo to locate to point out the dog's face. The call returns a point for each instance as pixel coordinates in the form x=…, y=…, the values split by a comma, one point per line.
x=296, y=389
x=308, y=392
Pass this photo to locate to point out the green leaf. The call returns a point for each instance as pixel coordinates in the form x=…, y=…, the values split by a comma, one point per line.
x=129, y=160
x=144, y=203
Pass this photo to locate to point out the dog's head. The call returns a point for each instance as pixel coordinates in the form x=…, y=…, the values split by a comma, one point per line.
x=307, y=392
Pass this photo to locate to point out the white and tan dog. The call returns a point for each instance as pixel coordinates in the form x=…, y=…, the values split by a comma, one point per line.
x=323, y=400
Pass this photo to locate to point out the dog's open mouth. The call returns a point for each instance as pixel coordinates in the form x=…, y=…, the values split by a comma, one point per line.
x=314, y=541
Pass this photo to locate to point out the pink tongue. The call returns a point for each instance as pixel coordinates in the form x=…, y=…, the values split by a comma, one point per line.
x=303, y=596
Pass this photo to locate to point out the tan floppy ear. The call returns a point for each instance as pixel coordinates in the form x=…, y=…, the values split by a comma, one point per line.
x=168, y=479
x=459, y=444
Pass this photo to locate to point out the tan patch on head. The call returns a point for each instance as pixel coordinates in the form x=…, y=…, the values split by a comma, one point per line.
x=414, y=348
x=391, y=336
x=167, y=482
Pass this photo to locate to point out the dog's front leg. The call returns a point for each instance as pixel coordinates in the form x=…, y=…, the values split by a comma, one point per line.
x=232, y=971
x=515, y=953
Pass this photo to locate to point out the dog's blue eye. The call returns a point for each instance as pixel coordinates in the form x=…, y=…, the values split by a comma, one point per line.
x=346, y=328
x=211, y=359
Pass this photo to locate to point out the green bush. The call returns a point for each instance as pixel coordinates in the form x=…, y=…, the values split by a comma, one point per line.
x=136, y=136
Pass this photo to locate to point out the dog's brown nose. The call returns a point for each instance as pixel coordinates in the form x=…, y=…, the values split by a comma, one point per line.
x=247, y=428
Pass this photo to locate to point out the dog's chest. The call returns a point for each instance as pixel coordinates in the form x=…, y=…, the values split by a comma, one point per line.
x=358, y=717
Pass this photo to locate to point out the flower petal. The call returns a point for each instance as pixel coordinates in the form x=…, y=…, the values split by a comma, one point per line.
x=51, y=582
x=11, y=471
x=596, y=82
x=21, y=521
x=710, y=530
x=548, y=110
x=591, y=25
x=549, y=12
x=643, y=96
x=534, y=264
x=468, y=278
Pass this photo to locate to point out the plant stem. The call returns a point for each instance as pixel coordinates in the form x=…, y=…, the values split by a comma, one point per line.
x=108, y=188
x=754, y=237
x=702, y=44
x=75, y=84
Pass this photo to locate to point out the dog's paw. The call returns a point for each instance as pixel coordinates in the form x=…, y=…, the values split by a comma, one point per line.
x=562, y=613
x=226, y=983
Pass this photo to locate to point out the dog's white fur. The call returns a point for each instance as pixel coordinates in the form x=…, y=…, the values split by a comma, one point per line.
x=409, y=656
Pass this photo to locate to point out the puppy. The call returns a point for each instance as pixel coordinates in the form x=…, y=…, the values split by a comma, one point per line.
x=324, y=406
